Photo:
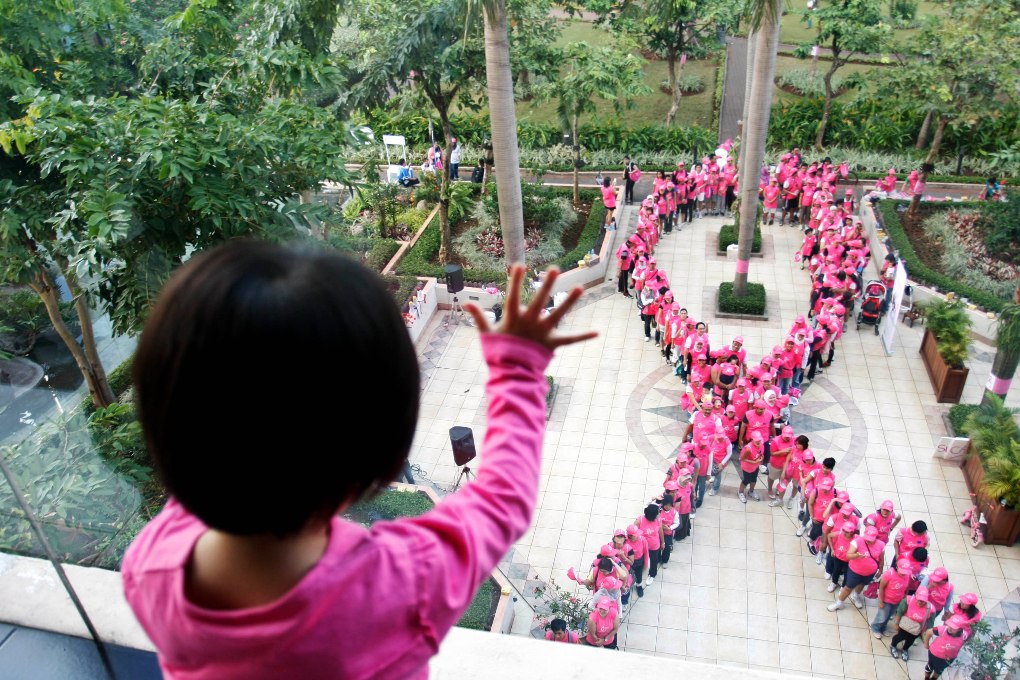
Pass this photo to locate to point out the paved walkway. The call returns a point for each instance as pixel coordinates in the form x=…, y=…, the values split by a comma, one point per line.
x=732, y=107
x=743, y=591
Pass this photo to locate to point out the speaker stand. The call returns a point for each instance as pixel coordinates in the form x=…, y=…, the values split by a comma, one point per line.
x=465, y=473
x=456, y=313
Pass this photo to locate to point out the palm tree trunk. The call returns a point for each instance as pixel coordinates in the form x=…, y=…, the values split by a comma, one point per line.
x=445, y=238
x=503, y=119
x=933, y=153
x=755, y=132
x=748, y=77
x=1007, y=353
x=577, y=159
x=827, y=109
x=922, y=135
x=674, y=89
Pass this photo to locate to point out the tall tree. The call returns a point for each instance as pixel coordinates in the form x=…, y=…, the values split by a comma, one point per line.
x=963, y=67
x=423, y=46
x=847, y=28
x=676, y=29
x=203, y=137
x=591, y=74
x=1007, y=352
x=765, y=21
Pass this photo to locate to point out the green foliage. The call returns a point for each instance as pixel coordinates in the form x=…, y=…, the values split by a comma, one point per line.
x=728, y=235
x=949, y=322
x=557, y=603
x=991, y=427
x=461, y=199
x=1000, y=221
x=806, y=84
x=589, y=235
x=948, y=227
x=989, y=655
x=403, y=285
x=752, y=303
x=382, y=252
x=959, y=414
x=391, y=504
x=890, y=212
x=1002, y=474
x=903, y=12
x=25, y=319
x=479, y=614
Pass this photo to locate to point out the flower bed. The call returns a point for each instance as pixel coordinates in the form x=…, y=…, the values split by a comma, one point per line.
x=752, y=304
x=965, y=256
x=923, y=257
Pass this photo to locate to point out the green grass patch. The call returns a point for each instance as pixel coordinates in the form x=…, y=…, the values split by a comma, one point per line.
x=728, y=236
x=589, y=237
x=892, y=222
x=752, y=303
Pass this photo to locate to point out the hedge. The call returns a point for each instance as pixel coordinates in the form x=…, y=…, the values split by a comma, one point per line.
x=416, y=261
x=958, y=415
x=942, y=179
x=381, y=253
x=728, y=236
x=752, y=303
x=892, y=222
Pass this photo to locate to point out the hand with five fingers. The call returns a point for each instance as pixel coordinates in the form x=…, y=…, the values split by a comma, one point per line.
x=530, y=322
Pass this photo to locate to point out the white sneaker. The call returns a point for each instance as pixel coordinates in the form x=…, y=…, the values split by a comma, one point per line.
x=763, y=469
x=835, y=606
x=711, y=492
x=857, y=600
x=742, y=497
x=647, y=339
x=800, y=531
x=754, y=496
x=828, y=575
x=649, y=581
x=693, y=514
x=775, y=503
x=877, y=635
x=818, y=558
x=789, y=503
x=832, y=587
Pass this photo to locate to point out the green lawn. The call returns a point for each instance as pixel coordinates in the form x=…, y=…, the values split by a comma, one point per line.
x=794, y=31
x=648, y=110
x=784, y=64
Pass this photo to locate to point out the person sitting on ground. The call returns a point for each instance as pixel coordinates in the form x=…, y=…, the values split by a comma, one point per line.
x=250, y=571
x=406, y=176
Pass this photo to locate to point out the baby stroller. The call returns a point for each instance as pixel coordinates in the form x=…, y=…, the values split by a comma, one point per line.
x=873, y=305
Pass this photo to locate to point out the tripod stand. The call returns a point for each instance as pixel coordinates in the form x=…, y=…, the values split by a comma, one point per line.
x=456, y=312
x=465, y=473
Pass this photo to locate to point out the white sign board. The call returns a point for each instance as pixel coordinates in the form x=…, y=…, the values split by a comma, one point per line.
x=893, y=313
x=952, y=448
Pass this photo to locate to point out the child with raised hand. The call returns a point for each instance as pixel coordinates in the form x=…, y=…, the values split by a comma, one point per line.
x=249, y=572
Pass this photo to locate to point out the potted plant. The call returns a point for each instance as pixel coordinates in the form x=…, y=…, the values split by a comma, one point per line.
x=945, y=348
x=986, y=655
x=992, y=469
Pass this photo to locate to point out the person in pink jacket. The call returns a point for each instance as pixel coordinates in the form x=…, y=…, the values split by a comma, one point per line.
x=249, y=571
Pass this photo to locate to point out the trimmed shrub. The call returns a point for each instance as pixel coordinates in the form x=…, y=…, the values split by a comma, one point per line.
x=381, y=253
x=752, y=303
x=589, y=237
x=728, y=236
x=890, y=215
x=807, y=85
x=958, y=416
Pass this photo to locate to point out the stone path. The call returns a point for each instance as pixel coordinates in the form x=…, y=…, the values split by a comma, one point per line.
x=732, y=107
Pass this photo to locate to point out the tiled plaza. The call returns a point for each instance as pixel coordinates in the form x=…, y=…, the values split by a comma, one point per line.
x=743, y=590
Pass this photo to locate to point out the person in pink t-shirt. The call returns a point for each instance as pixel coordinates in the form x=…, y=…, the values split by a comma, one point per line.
x=752, y=456
x=865, y=557
x=603, y=624
x=557, y=631
x=944, y=644
x=892, y=588
x=639, y=548
x=249, y=571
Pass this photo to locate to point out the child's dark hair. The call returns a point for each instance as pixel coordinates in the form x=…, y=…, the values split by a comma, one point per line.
x=651, y=512
x=606, y=564
x=829, y=463
x=605, y=182
x=558, y=625
x=222, y=345
x=919, y=554
x=803, y=440
x=919, y=527
x=667, y=499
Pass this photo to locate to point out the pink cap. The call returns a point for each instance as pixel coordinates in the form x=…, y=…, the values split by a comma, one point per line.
x=940, y=574
x=730, y=408
x=846, y=509
x=903, y=568
x=670, y=485
x=741, y=382
x=849, y=526
x=788, y=431
x=632, y=530
x=849, y=192
x=605, y=603
x=620, y=532
x=969, y=599
x=956, y=622
x=842, y=496
x=756, y=436
x=739, y=338
x=922, y=594
x=607, y=550
x=887, y=505
x=870, y=534
x=808, y=453
x=760, y=403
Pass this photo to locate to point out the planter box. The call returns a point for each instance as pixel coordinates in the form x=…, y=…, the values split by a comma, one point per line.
x=1003, y=526
x=948, y=382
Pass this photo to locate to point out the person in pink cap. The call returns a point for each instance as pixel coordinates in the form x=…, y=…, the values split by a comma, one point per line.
x=916, y=615
x=670, y=519
x=967, y=610
x=638, y=546
x=722, y=451
x=865, y=557
x=684, y=505
x=909, y=538
x=624, y=266
x=651, y=528
x=771, y=194
x=892, y=588
x=603, y=624
x=752, y=456
x=819, y=499
x=839, y=547
x=884, y=519
x=780, y=449
x=944, y=644
x=940, y=590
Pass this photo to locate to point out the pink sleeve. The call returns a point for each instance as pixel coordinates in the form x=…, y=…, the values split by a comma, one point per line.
x=458, y=543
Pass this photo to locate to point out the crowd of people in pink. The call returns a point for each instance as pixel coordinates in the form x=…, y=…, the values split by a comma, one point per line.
x=741, y=413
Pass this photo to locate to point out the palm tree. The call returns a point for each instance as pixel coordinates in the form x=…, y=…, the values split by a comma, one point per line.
x=1007, y=353
x=503, y=121
x=765, y=18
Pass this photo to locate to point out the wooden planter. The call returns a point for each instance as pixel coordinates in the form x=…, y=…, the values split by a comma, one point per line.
x=1003, y=526
x=948, y=382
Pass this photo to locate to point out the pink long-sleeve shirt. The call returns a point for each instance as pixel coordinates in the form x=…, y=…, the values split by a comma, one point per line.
x=380, y=600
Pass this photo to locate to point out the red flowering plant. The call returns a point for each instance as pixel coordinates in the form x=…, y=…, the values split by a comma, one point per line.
x=557, y=603
x=988, y=655
x=490, y=241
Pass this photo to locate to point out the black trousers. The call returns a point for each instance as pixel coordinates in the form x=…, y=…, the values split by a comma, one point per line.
x=906, y=638
x=667, y=548
x=628, y=193
x=653, y=562
x=836, y=568
x=638, y=570
x=622, y=285
x=688, y=210
x=730, y=197
x=648, y=318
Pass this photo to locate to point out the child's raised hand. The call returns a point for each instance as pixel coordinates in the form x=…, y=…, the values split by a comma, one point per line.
x=528, y=322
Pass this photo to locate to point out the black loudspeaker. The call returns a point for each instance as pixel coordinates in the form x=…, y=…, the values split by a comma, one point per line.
x=454, y=278
x=463, y=441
